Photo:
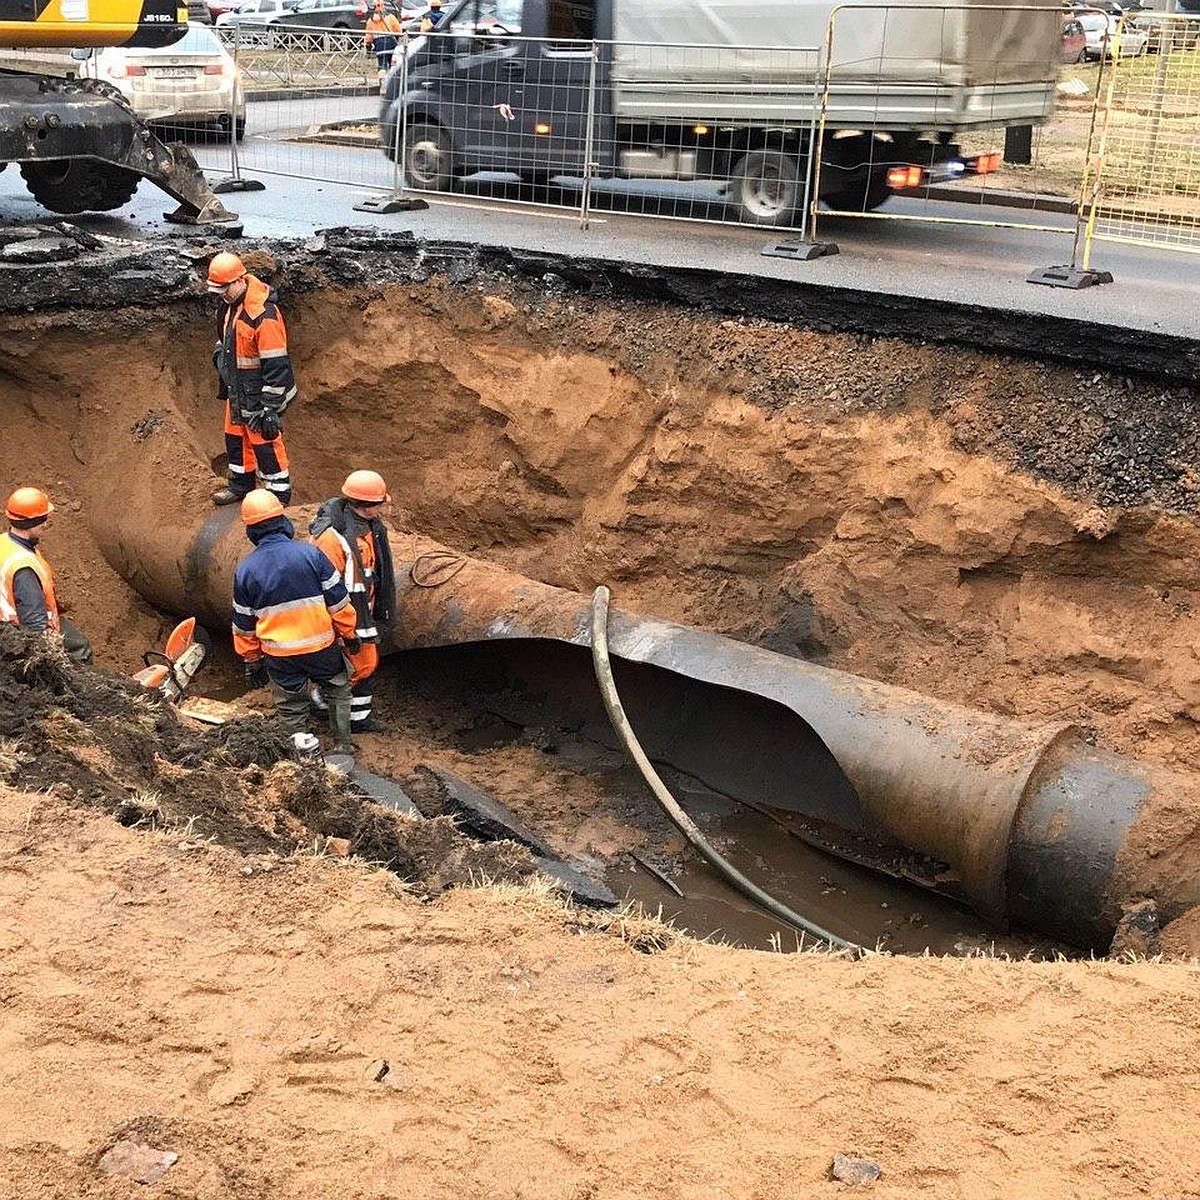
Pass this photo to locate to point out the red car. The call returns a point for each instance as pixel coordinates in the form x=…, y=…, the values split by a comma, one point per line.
x=1074, y=41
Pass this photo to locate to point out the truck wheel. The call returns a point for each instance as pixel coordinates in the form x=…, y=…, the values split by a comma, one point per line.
x=864, y=196
x=75, y=185
x=766, y=188
x=428, y=159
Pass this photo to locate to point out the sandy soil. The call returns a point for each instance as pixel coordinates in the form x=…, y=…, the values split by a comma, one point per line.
x=1014, y=536
x=241, y=1015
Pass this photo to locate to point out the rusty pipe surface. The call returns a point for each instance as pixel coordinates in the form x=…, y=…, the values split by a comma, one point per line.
x=1035, y=824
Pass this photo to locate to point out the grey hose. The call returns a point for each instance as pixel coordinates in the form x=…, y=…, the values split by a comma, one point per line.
x=685, y=824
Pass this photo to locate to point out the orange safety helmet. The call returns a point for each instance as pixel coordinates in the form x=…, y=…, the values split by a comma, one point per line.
x=223, y=269
x=28, y=505
x=367, y=487
x=260, y=505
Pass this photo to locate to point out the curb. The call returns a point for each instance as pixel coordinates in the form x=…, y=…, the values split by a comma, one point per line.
x=299, y=93
x=1033, y=201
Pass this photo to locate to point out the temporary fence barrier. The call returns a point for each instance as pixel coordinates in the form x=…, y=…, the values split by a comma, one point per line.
x=1145, y=189
x=699, y=131
x=971, y=72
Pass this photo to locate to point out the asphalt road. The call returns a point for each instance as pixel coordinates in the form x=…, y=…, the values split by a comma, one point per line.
x=312, y=186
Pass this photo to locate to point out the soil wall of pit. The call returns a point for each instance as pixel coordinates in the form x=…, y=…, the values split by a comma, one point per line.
x=1014, y=535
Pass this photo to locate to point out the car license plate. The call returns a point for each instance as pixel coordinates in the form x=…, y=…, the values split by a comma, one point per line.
x=175, y=72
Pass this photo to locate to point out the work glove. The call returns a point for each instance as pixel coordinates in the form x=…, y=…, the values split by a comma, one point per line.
x=353, y=645
x=255, y=671
x=268, y=424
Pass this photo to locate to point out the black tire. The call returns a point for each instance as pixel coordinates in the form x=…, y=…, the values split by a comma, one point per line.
x=866, y=195
x=239, y=128
x=428, y=158
x=75, y=185
x=766, y=188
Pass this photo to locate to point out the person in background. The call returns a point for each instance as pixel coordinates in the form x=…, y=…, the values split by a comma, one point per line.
x=432, y=19
x=382, y=32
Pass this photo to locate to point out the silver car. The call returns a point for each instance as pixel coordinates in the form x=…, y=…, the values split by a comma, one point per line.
x=193, y=82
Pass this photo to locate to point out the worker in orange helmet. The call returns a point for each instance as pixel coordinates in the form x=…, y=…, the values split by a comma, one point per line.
x=381, y=32
x=27, y=594
x=350, y=532
x=256, y=380
x=431, y=19
x=290, y=612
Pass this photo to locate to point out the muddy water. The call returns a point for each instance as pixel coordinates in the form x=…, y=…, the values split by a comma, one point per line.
x=541, y=750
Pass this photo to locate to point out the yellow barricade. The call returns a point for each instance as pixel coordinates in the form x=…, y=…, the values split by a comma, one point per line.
x=1143, y=181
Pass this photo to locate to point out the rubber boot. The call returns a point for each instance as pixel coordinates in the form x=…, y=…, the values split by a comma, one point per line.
x=292, y=708
x=337, y=695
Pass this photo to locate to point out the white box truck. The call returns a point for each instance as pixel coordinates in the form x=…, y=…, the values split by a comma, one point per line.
x=725, y=90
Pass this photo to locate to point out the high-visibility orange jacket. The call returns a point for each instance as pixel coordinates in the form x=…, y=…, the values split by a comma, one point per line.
x=288, y=600
x=16, y=555
x=387, y=24
x=252, y=354
x=361, y=586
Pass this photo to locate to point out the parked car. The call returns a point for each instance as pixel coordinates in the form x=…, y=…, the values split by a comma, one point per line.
x=1074, y=41
x=192, y=83
x=218, y=8
x=1101, y=32
x=1178, y=35
x=322, y=14
x=254, y=12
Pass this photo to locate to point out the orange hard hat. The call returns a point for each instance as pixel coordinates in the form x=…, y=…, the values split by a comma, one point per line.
x=28, y=504
x=223, y=269
x=365, y=486
x=260, y=505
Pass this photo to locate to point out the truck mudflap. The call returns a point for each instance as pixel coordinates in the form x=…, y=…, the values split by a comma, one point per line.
x=46, y=121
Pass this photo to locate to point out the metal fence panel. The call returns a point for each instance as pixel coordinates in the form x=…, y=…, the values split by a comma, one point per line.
x=921, y=109
x=1146, y=183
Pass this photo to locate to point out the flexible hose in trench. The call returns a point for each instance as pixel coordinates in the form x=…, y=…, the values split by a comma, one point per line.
x=685, y=824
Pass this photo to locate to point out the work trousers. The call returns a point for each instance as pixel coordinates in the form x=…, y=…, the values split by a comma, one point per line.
x=250, y=453
x=363, y=666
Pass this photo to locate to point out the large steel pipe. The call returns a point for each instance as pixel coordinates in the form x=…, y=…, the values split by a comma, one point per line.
x=1037, y=825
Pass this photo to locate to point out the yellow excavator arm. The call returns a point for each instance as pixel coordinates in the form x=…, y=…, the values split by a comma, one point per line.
x=79, y=23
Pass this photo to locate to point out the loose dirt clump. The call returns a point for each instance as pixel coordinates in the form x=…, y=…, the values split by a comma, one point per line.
x=103, y=742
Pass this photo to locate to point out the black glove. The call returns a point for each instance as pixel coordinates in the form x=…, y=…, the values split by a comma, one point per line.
x=268, y=424
x=353, y=645
x=255, y=671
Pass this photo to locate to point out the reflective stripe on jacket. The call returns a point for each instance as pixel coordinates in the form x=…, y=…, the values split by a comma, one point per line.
x=362, y=589
x=253, y=365
x=16, y=555
x=288, y=599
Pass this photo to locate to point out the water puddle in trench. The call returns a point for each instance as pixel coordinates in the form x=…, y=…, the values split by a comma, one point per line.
x=508, y=736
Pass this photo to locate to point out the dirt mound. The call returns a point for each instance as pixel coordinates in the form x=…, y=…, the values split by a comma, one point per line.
x=101, y=741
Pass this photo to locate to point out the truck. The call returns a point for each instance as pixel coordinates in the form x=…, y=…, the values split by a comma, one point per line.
x=732, y=91
x=77, y=142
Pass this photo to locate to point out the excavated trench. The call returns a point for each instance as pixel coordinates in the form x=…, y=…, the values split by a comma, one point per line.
x=992, y=530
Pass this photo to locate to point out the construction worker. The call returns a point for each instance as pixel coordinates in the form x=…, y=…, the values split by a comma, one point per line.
x=27, y=596
x=432, y=18
x=256, y=380
x=349, y=530
x=382, y=30
x=290, y=608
